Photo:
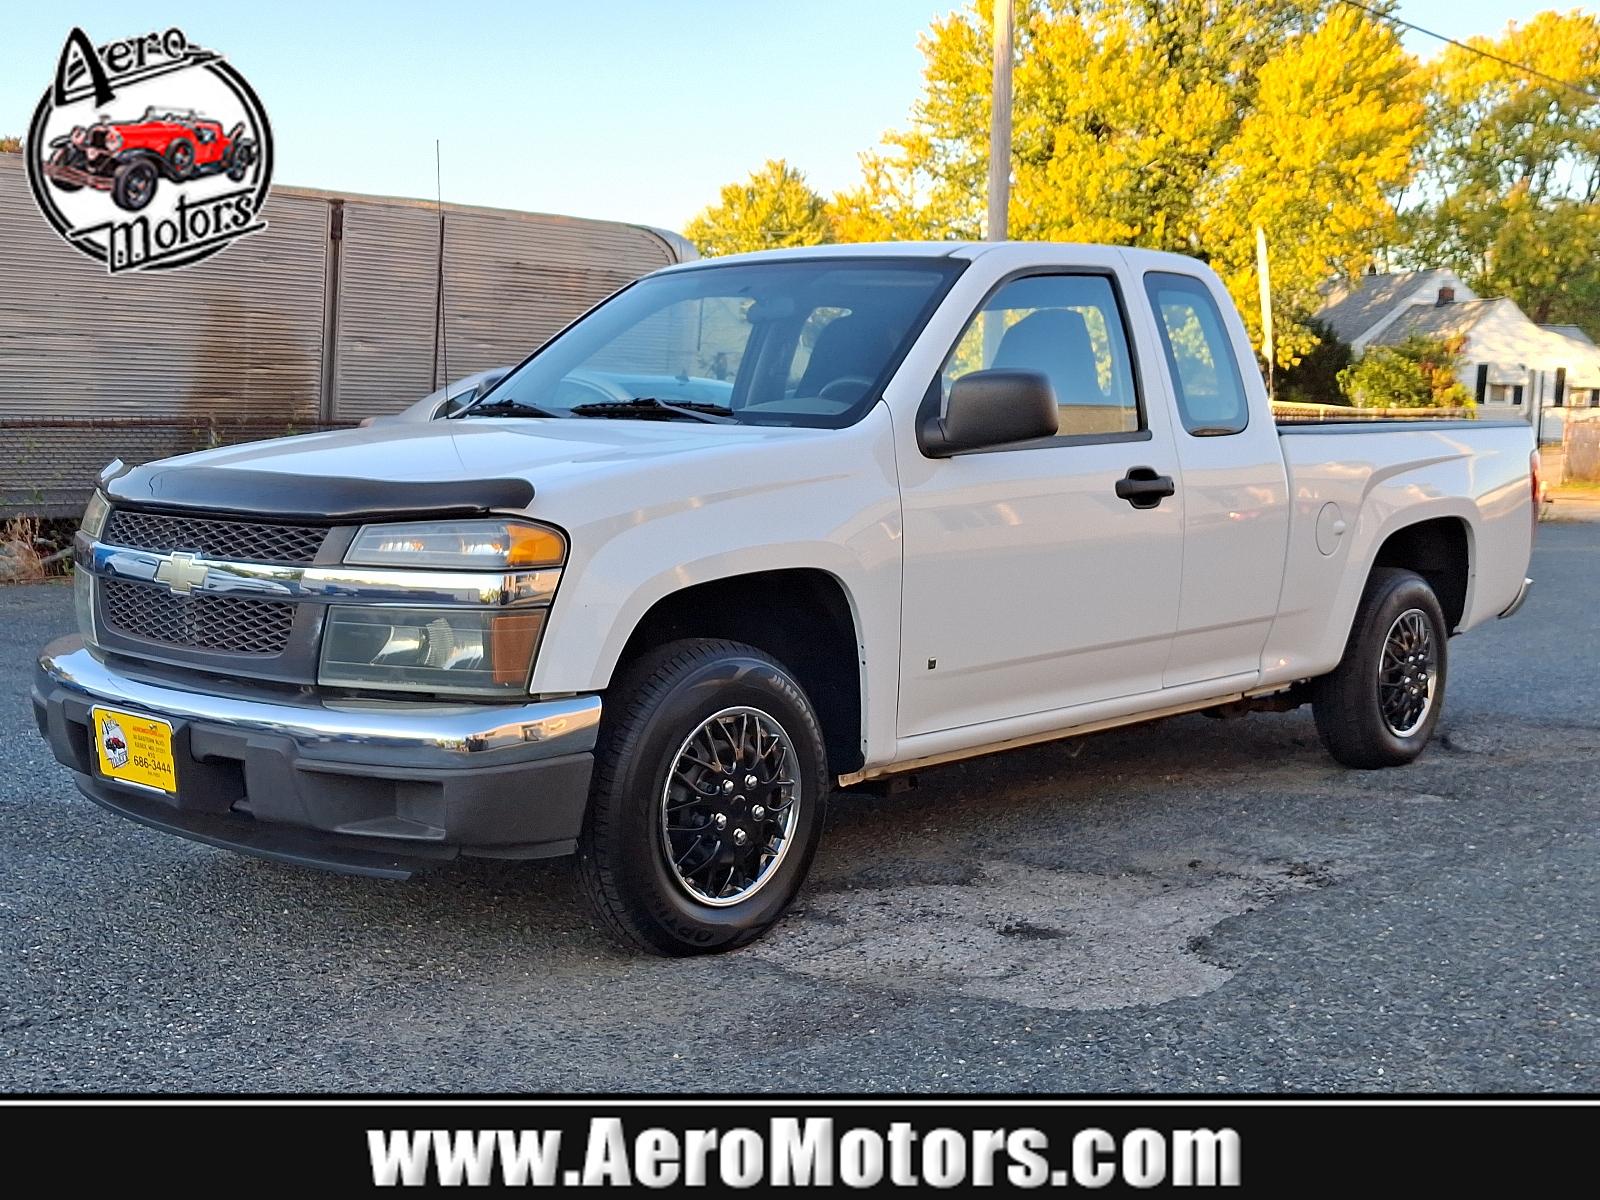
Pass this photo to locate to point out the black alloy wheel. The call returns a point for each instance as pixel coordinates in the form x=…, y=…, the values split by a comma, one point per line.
x=728, y=809
x=1380, y=705
x=707, y=800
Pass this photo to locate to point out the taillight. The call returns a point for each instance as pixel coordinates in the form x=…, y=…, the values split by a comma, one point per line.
x=1537, y=482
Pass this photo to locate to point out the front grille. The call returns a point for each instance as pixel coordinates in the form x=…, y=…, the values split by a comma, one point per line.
x=231, y=624
x=233, y=541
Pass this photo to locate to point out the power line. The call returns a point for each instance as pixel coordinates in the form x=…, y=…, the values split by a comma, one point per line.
x=1478, y=50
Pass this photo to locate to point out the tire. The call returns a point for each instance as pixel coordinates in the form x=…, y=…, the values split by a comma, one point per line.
x=672, y=709
x=134, y=185
x=180, y=158
x=1380, y=705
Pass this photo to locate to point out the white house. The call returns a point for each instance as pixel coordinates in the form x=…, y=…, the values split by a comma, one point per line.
x=1509, y=363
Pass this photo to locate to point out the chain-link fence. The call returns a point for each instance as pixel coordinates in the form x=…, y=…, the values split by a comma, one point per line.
x=48, y=464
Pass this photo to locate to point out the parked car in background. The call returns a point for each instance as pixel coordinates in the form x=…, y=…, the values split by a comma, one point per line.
x=128, y=158
x=445, y=401
x=755, y=529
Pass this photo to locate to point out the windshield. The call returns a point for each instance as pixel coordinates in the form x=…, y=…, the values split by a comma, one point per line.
x=808, y=343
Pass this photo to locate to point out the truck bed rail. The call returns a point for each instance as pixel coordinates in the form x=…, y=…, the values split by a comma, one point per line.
x=1292, y=412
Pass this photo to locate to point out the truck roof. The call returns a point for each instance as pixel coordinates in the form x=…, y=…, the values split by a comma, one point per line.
x=1137, y=257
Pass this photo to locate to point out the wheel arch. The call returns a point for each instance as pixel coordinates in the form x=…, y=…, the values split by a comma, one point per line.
x=805, y=617
x=1440, y=549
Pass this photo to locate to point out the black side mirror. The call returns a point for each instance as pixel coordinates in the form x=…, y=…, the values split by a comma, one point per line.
x=992, y=408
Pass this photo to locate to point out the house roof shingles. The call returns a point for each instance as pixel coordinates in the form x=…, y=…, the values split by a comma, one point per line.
x=1436, y=320
x=1353, y=308
x=1571, y=331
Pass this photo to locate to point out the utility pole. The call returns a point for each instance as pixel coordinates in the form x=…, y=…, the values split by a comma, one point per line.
x=1000, y=124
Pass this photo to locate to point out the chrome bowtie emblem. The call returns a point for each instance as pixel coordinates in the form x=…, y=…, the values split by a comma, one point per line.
x=182, y=573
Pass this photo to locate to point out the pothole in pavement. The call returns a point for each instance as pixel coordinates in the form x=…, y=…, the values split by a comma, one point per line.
x=1035, y=936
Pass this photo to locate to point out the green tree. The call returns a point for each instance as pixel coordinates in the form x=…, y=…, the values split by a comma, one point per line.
x=1174, y=124
x=1420, y=372
x=1509, y=195
x=1315, y=378
x=773, y=208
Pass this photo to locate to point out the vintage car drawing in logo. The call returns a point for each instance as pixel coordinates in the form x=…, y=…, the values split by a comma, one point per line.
x=114, y=742
x=129, y=158
x=150, y=153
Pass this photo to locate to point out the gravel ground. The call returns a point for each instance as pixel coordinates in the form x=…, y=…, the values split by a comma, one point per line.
x=1198, y=905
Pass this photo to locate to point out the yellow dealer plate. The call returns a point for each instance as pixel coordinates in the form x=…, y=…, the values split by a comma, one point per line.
x=134, y=749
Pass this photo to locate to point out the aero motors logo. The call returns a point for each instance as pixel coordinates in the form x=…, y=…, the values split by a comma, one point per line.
x=149, y=153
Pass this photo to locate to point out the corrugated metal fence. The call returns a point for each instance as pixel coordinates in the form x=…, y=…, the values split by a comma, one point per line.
x=326, y=317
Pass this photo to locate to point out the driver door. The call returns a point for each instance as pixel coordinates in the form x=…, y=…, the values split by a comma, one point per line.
x=1028, y=584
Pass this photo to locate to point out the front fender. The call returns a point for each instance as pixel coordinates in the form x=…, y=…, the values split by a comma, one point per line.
x=828, y=503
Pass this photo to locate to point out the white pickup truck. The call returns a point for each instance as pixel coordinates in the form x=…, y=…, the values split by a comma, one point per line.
x=752, y=530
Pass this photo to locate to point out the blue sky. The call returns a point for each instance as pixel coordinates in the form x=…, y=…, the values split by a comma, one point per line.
x=625, y=109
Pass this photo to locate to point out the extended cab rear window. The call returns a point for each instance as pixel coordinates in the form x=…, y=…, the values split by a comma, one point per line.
x=1205, y=374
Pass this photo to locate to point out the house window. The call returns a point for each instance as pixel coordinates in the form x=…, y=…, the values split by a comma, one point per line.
x=1499, y=393
x=1516, y=394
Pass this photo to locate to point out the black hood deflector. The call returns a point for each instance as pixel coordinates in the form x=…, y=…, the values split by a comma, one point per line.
x=271, y=494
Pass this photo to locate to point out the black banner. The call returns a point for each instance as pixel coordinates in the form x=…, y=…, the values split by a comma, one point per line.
x=720, y=1145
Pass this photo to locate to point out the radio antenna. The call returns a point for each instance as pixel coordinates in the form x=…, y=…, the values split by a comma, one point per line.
x=440, y=317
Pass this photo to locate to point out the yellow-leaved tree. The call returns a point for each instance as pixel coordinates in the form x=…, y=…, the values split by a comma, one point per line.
x=771, y=209
x=1175, y=124
x=1510, y=190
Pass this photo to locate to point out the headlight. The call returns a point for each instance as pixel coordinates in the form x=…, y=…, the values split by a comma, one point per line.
x=458, y=545
x=94, y=515
x=486, y=652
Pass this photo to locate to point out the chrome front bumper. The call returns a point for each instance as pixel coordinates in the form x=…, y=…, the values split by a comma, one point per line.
x=388, y=733
x=370, y=787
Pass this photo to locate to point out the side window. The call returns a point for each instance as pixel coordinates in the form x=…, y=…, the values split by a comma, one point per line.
x=1070, y=328
x=1205, y=374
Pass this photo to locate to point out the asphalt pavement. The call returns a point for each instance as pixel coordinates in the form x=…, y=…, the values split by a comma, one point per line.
x=1196, y=905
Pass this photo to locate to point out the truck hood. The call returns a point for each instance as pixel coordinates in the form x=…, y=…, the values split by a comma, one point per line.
x=445, y=466
x=446, y=451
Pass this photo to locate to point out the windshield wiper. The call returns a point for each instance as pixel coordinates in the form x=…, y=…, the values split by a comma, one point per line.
x=506, y=406
x=639, y=406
